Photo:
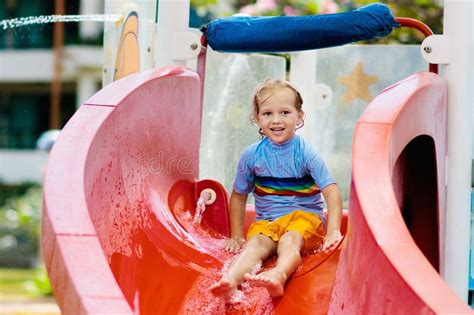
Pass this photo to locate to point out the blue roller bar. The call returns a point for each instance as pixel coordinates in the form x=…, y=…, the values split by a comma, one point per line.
x=294, y=33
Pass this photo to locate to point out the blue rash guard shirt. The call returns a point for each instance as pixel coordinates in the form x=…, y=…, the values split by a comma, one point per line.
x=283, y=177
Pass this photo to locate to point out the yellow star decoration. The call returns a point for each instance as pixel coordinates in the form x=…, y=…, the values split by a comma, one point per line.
x=358, y=84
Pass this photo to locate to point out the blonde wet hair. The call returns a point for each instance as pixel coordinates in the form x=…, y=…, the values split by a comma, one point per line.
x=268, y=88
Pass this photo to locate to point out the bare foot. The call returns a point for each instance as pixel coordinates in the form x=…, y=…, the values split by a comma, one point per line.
x=272, y=280
x=224, y=288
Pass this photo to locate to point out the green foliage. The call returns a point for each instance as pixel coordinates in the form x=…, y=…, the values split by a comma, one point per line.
x=20, y=228
x=39, y=284
x=10, y=191
x=429, y=12
x=203, y=3
x=279, y=7
x=18, y=284
x=19, y=243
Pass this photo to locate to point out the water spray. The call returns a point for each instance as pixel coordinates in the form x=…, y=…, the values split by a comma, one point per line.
x=207, y=197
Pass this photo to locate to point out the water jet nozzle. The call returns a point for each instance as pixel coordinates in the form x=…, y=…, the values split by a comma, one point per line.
x=209, y=196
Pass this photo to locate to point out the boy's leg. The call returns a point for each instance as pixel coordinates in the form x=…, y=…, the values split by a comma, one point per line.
x=256, y=249
x=289, y=258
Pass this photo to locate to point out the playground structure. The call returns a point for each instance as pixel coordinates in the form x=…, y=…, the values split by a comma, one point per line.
x=113, y=235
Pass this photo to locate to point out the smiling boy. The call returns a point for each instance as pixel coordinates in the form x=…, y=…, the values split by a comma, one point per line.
x=287, y=178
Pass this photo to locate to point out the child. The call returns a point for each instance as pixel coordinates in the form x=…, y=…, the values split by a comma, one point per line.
x=287, y=178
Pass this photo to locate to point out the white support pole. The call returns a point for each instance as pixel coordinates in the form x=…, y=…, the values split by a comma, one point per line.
x=303, y=75
x=458, y=27
x=89, y=29
x=173, y=16
x=87, y=85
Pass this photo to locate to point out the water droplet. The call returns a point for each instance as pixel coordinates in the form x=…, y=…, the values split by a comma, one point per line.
x=44, y=19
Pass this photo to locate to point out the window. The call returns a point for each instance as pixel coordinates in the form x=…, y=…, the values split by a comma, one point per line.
x=24, y=114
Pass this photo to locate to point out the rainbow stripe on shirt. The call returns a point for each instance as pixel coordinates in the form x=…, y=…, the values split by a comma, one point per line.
x=285, y=186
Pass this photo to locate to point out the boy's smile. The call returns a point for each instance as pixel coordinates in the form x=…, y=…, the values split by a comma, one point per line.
x=278, y=117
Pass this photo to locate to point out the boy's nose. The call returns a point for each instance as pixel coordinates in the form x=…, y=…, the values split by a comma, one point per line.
x=276, y=118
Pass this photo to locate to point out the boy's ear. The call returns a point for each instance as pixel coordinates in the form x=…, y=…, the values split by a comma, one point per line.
x=300, y=117
x=254, y=119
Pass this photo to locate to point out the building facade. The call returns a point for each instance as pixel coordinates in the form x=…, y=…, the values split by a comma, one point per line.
x=28, y=67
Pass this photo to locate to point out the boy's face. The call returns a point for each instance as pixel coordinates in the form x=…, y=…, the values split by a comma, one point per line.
x=278, y=116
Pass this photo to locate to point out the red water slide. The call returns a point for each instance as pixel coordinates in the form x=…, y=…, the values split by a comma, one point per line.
x=122, y=184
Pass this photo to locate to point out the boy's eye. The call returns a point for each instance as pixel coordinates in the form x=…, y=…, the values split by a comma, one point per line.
x=266, y=113
x=285, y=112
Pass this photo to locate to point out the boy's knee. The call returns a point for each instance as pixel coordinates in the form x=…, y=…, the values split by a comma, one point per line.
x=292, y=239
x=293, y=236
x=260, y=241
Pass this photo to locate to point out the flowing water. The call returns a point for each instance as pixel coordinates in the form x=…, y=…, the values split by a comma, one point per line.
x=200, y=208
x=44, y=19
x=245, y=300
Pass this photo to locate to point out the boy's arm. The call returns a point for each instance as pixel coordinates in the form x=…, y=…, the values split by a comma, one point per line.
x=334, y=203
x=237, y=206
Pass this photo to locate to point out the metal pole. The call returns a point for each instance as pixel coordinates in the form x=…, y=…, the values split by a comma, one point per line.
x=58, y=39
x=458, y=28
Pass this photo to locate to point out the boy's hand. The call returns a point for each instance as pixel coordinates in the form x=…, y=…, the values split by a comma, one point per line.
x=332, y=239
x=234, y=245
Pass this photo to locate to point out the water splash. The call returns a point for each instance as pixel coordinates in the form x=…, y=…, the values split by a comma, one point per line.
x=200, y=208
x=247, y=300
x=44, y=19
x=200, y=301
x=202, y=237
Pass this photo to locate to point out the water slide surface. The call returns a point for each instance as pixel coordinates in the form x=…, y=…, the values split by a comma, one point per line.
x=122, y=184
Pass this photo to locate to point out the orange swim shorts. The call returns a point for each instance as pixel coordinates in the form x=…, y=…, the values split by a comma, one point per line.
x=308, y=224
